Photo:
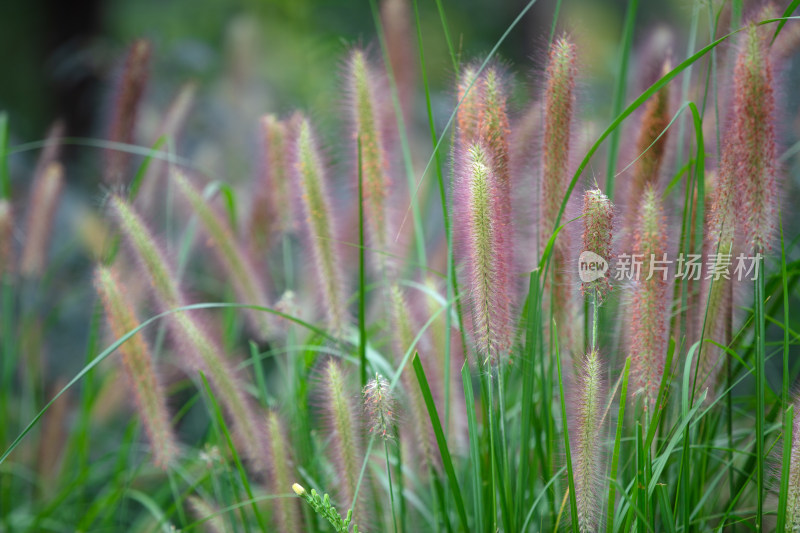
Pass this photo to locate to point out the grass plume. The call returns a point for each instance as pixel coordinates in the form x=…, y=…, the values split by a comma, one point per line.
x=476, y=190
x=648, y=323
x=320, y=222
x=345, y=436
x=125, y=106
x=39, y=220
x=586, y=443
x=247, y=282
x=139, y=366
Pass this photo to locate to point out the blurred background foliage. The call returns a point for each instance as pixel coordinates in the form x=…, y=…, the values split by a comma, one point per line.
x=249, y=57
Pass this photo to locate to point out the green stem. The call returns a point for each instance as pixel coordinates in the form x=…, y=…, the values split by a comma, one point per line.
x=389, y=475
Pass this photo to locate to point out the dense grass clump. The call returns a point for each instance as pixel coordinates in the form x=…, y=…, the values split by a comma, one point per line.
x=435, y=316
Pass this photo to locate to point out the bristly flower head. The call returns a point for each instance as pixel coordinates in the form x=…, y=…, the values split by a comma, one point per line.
x=793, y=499
x=286, y=512
x=374, y=161
x=753, y=140
x=246, y=281
x=558, y=113
x=650, y=148
x=313, y=190
x=203, y=352
x=138, y=364
x=130, y=89
x=648, y=325
x=559, y=101
x=598, y=220
x=470, y=110
x=477, y=190
x=586, y=443
x=345, y=439
x=380, y=407
x=272, y=206
x=42, y=207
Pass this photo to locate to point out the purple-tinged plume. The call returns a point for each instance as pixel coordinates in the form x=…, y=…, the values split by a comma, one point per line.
x=598, y=221
x=138, y=365
x=247, y=282
x=752, y=141
x=793, y=496
x=313, y=189
x=403, y=333
x=380, y=407
x=272, y=205
x=650, y=148
x=559, y=101
x=477, y=191
x=203, y=352
x=586, y=443
x=374, y=161
x=39, y=220
x=346, y=444
x=129, y=91
x=286, y=511
x=399, y=32
x=470, y=111
x=212, y=518
x=647, y=329
x=170, y=130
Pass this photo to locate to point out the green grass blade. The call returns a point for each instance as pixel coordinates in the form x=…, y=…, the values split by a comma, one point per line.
x=760, y=382
x=362, y=295
x=441, y=441
x=785, y=284
x=786, y=463
x=229, y=441
x=474, y=448
x=140, y=174
x=619, y=92
x=786, y=13
x=573, y=505
x=623, y=398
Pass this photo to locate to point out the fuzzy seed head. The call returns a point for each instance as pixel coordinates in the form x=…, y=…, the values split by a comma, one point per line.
x=42, y=207
x=793, y=500
x=586, y=443
x=380, y=407
x=649, y=318
x=346, y=444
x=312, y=186
x=213, y=519
x=558, y=112
x=649, y=150
x=149, y=256
x=598, y=219
x=277, y=187
x=472, y=102
x=138, y=365
x=129, y=93
x=247, y=283
x=488, y=299
x=403, y=333
x=752, y=142
x=374, y=162
x=285, y=510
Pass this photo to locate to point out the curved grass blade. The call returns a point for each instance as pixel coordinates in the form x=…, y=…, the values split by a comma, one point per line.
x=447, y=461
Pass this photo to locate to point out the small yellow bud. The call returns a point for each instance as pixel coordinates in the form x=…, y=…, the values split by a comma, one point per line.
x=298, y=489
